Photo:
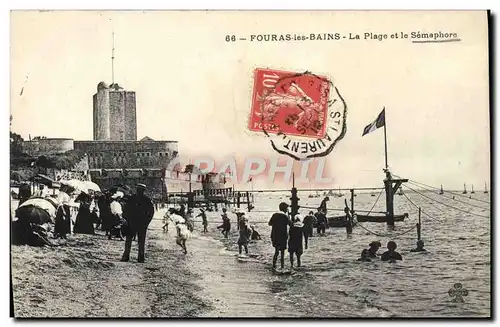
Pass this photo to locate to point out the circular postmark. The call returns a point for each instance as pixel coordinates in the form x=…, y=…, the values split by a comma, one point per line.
x=302, y=114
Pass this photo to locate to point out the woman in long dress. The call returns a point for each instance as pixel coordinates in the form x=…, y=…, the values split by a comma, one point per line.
x=84, y=223
x=63, y=215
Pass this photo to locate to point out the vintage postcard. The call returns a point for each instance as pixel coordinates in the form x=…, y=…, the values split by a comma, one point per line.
x=229, y=164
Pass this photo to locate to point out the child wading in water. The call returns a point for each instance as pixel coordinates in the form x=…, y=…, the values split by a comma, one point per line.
x=226, y=223
x=295, y=240
x=203, y=216
x=182, y=233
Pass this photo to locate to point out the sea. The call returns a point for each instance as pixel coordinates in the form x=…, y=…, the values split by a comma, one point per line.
x=332, y=283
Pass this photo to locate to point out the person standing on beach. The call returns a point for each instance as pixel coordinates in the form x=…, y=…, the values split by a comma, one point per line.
x=104, y=205
x=279, y=233
x=308, y=227
x=84, y=223
x=245, y=233
x=24, y=193
x=62, y=224
x=295, y=240
x=138, y=212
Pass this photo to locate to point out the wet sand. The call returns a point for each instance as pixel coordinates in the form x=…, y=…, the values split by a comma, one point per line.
x=237, y=289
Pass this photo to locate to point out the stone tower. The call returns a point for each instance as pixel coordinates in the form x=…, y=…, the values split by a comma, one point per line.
x=114, y=114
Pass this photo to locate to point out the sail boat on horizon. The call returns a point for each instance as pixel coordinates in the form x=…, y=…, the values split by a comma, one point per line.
x=465, y=189
x=485, y=188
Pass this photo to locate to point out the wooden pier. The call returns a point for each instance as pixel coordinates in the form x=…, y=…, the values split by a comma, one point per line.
x=218, y=196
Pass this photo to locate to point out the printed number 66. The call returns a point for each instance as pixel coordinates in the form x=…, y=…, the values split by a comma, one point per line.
x=230, y=38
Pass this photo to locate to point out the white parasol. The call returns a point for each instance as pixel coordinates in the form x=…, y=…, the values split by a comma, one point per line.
x=91, y=186
x=76, y=184
x=45, y=204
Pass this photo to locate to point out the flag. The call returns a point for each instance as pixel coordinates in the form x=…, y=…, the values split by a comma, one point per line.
x=21, y=91
x=249, y=180
x=379, y=122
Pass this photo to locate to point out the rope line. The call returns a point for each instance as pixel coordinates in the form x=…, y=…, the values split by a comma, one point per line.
x=454, y=193
x=376, y=200
x=451, y=198
x=422, y=211
x=386, y=235
x=447, y=205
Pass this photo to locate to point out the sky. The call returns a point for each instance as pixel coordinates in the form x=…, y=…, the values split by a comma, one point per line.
x=194, y=87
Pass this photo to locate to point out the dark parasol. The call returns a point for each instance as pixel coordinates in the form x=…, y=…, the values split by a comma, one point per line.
x=33, y=214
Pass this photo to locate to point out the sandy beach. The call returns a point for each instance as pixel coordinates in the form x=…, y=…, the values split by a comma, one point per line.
x=83, y=277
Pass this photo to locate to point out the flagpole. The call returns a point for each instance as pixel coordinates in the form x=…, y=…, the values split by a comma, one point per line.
x=385, y=140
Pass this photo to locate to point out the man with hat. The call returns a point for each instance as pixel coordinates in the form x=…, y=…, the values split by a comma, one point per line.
x=138, y=212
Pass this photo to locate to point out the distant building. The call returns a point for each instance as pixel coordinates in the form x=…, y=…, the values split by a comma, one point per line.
x=128, y=154
x=115, y=156
x=42, y=146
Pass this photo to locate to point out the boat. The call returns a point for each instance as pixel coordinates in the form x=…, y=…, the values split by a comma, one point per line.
x=330, y=193
x=379, y=219
x=465, y=190
x=338, y=222
x=472, y=191
x=485, y=189
x=339, y=195
x=441, y=191
x=373, y=194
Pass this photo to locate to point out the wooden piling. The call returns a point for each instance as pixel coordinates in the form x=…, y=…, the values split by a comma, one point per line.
x=294, y=199
x=248, y=201
x=352, y=201
x=419, y=225
x=389, y=202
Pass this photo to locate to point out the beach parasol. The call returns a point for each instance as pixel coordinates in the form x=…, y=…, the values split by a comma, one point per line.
x=33, y=214
x=75, y=184
x=91, y=186
x=49, y=205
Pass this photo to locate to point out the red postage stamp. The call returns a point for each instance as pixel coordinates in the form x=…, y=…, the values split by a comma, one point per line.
x=289, y=103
